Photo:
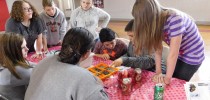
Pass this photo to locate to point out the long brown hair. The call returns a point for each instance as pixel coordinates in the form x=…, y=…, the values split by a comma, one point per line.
x=149, y=19
x=11, y=52
x=17, y=12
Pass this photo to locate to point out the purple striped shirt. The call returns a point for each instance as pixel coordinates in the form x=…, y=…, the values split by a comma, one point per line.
x=191, y=50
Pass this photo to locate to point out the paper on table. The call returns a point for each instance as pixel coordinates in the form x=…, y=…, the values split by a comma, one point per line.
x=197, y=90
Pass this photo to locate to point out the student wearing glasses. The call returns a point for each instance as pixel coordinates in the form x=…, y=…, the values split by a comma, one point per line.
x=24, y=20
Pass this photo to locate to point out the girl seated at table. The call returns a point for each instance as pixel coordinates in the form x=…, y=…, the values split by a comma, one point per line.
x=59, y=77
x=109, y=47
x=13, y=64
x=14, y=69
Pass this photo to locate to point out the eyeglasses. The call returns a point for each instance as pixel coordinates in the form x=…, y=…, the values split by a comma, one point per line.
x=28, y=9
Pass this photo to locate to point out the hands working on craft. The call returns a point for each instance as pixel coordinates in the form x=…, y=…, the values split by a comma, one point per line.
x=116, y=63
x=161, y=78
x=103, y=56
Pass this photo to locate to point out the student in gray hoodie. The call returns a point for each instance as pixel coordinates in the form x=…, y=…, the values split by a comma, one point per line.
x=59, y=77
x=88, y=16
x=55, y=24
x=129, y=59
x=143, y=61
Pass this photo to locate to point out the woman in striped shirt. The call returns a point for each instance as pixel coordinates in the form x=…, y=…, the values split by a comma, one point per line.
x=154, y=24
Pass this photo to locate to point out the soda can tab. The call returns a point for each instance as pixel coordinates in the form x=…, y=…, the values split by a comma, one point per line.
x=126, y=86
x=137, y=75
x=158, y=91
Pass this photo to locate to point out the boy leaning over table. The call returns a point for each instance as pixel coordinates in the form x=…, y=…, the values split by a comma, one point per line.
x=144, y=61
x=55, y=24
x=109, y=48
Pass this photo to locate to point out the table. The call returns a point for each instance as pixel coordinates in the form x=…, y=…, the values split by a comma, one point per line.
x=144, y=91
x=52, y=50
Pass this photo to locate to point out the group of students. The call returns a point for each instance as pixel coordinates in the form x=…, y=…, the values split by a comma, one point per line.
x=60, y=76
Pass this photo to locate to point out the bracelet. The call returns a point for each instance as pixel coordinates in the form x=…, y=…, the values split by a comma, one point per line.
x=38, y=53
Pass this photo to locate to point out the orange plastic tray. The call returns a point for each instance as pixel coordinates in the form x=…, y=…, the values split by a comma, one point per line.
x=102, y=70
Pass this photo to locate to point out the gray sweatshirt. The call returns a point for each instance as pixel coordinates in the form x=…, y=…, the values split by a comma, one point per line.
x=89, y=19
x=11, y=87
x=143, y=61
x=54, y=80
x=55, y=27
x=8, y=79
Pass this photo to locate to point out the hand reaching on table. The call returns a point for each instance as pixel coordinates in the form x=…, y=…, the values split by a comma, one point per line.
x=160, y=78
x=117, y=62
x=45, y=50
x=38, y=55
x=104, y=56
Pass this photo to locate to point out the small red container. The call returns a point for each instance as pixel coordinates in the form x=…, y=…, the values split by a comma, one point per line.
x=122, y=74
x=126, y=86
x=137, y=76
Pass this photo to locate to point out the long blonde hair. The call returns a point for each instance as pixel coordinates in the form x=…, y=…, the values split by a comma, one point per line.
x=149, y=19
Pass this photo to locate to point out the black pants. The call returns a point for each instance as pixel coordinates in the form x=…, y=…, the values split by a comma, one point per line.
x=184, y=71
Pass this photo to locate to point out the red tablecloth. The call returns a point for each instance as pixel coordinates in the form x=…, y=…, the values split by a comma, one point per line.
x=36, y=60
x=144, y=91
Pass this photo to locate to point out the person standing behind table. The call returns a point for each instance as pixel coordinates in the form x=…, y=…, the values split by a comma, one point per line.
x=14, y=69
x=176, y=29
x=143, y=61
x=55, y=22
x=88, y=16
x=109, y=47
x=62, y=78
x=24, y=20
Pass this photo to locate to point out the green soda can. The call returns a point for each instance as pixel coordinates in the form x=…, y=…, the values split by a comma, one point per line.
x=158, y=94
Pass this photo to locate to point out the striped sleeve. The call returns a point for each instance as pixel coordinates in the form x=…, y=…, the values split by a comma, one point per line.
x=176, y=26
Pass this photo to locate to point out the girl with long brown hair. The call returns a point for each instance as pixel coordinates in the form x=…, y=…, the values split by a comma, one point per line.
x=14, y=68
x=153, y=24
